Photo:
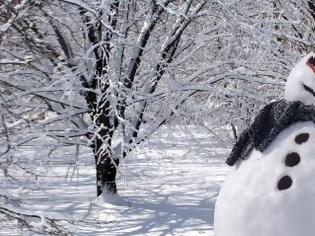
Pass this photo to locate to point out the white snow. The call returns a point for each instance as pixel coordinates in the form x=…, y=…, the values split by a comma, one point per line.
x=250, y=202
x=300, y=74
x=167, y=187
x=5, y=27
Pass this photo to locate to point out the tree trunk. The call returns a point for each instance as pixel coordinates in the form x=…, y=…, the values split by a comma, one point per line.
x=105, y=163
x=106, y=169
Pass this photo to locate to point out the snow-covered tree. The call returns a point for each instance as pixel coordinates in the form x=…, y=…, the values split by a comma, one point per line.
x=107, y=74
x=113, y=60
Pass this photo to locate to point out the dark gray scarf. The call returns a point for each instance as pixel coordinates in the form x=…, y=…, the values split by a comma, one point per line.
x=270, y=121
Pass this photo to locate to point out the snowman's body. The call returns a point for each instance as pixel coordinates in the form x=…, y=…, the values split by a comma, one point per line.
x=272, y=192
x=258, y=198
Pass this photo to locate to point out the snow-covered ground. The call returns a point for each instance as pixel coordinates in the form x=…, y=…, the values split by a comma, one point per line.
x=168, y=186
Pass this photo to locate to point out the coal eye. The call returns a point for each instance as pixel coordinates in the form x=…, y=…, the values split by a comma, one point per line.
x=308, y=89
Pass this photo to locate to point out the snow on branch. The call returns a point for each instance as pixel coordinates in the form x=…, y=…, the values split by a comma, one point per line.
x=15, y=13
x=81, y=4
x=35, y=223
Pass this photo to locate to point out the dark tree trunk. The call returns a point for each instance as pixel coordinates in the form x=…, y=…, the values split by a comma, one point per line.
x=106, y=164
x=106, y=169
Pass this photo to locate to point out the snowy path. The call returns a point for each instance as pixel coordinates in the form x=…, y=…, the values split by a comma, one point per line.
x=167, y=187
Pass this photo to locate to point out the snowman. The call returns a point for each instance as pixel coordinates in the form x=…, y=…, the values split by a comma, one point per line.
x=271, y=189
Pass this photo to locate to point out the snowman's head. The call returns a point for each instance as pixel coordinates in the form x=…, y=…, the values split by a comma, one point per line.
x=300, y=85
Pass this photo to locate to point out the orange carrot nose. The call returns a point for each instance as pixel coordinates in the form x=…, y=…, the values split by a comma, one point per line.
x=311, y=66
x=311, y=63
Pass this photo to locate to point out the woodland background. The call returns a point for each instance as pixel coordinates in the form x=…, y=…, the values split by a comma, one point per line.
x=86, y=86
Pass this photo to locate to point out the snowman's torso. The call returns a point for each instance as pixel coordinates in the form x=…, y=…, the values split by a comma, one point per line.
x=272, y=193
